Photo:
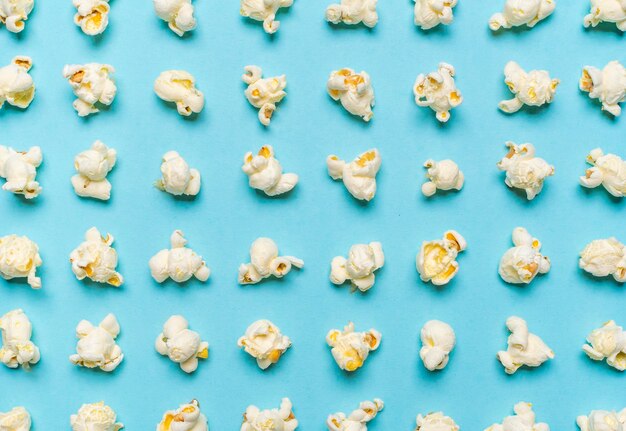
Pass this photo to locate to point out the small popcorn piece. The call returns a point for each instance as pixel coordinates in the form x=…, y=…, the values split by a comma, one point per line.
x=353, y=12
x=442, y=175
x=603, y=258
x=359, y=176
x=264, y=341
x=16, y=85
x=438, y=340
x=358, y=419
x=524, y=348
x=263, y=93
x=17, y=349
x=19, y=258
x=436, y=421
x=185, y=418
x=521, y=263
x=96, y=416
x=265, y=173
x=179, y=263
x=96, y=259
x=178, y=14
x=92, y=167
x=19, y=169
x=523, y=420
x=608, y=342
x=13, y=13
x=354, y=91
x=92, y=85
x=363, y=260
x=16, y=419
x=613, y=11
x=608, y=85
x=534, y=88
x=179, y=86
x=349, y=348
x=436, y=261
x=177, y=177
x=522, y=12
x=92, y=16
x=602, y=420
x=438, y=91
x=265, y=261
x=96, y=347
x=181, y=344
x=281, y=419
x=265, y=11
x=431, y=13
x=608, y=170
x=524, y=170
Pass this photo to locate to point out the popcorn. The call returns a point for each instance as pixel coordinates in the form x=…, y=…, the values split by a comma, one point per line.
x=17, y=349
x=92, y=166
x=608, y=342
x=524, y=348
x=92, y=84
x=266, y=174
x=442, y=175
x=96, y=259
x=185, y=418
x=431, y=13
x=96, y=416
x=436, y=261
x=264, y=341
x=181, y=344
x=523, y=420
x=13, y=13
x=604, y=257
x=17, y=419
x=438, y=91
x=534, y=88
x=353, y=90
x=359, y=176
x=608, y=170
x=602, y=420
x=263, y=93
x=436, y=422
x=264, y=10
x=607, y=85
x=613, y=11
x=19, y=168
x=524, y=170
x=19, y=258
x=358, y=419
x=179, y=86
x=92, y=16
x=349, y=348
x=179, y=263
x=519, y=12
x=522, y=263
x=281, y=419
x=265, y=261
x=363, y=260
x=438, y=340
x=353, y=12
x=178, y=14
x=16, y=85
x=177, y=177
x=96, y=347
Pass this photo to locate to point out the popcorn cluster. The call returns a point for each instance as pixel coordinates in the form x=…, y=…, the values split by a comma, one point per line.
x=263, y=93
x=17, y=419
x=608, y=85
x=442, y=175
x=607, y=170
x=177, y=178
x=359, y=176
x=523, y=170
x=92, y=167
x=96, y=347
x=264, y=342
x=265, y=11
x=517, y=13
x=179, y=263
x=265, y=261
x=437, y=90
x=96, y=259
x=353, y=90
x=280, y=419
x=17, y=348
x=534, y=88
x=19, y=169
x=92, y=85
x=363, y=260
x=19, y=258
x=350, y=349
x=603, y=258
x=265, y=173
x=523, y=420
x=438, y=340
x=436, y=421
x=92, y=16
x=358, y=419
x=96, y=416
x=181, y=344
x=608, y=342
x=521, y=263
x=431, y=13
x=13, y=13
x=178, y=14
x=524, y=348
x=436, y=260
x=16, y=85
x=187, y=417
x=179, y=86
x=353, y=12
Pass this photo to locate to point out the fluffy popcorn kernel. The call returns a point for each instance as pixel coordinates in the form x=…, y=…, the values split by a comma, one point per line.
x=179, y=86
x=16, y=85
x=442, y=175
x=431, y=13
x=96, y=347
x=358, y=419
x=19, y=258
x=613, y=11
x=92, y=167
x=438, y=340
x=608, y=170
x=359, y=176
x=523, y=170
x=17, y=419
x=607, y=85
x=534, y=88
x=177, y=178
x=353, y=12
x=281, y=419
x=523, y=420
x=435, y=422
x=265, y=11
x=602, y=420
x=13, y=13
x=524, y=348
x=354, y=91
x=19, y=169
x=608, y=342
x=264, y=341
x=604, y=257
x=181, y=344
x=349, y=348
x=438, y=91
x=96, y=416
x=92, y=84
x=96, y=259
x=265, y=173
x=263, y=93
x=179, y=263
x=436, y=261
x=265, y=261
x=178, y=14
x=185, y=418
x=522, y=263
x=522, y=12
x=363, y=260
x=17, y=349
x=92, y=16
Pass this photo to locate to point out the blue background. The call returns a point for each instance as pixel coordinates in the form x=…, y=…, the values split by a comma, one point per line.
x=318, y=220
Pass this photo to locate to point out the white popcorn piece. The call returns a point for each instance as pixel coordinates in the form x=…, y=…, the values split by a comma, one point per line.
x=523, y=262
x=608, y=170
x=177, y=178
x=179, y=86
x=265, y=261
x=281, y=419
x=522, y=12
x=602, y=420
x=349, y=348
x=358, y=419
x=523, y=420
x=608, y=85
x=613, y=11
x=363, y=260
x=608, y=342
x=16, y=419
x=438, y=91
x=16, y=85
x=19, y=169
x=523, y=170
x=524, y=348
x=179, y=263
x=353, y=12
x=265, y=173
x=436, y=260
x=359, y=176
x=178, y=14
x=19, y=258
x=603, y=258
x=92, y=167
x=92, y=84
x=436, y=421
x=438, y=340
x=96, y=416
x=431, y=13
x=354, y=91
x=534, y=88
x=263, y=93
x=442, y=175
x=181, y=344
x=187, y=417
x=13, y=13
x=92, y=16
x=265, y=11
x=264, y=342
x=96, y=259
x=96, y=347
x=17, y=349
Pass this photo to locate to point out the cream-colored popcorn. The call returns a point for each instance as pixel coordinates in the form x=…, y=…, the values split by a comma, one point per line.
x=263, y=93
x=96, y=259
x=524, y=170
x=436, y=421
x=438, y=91
x=431, y=13
x=92, y=84
x=185, y=418
x=604, y=257
x=353, y=12
x=19, y=169
x=358, y=419
x=95, y=417
x=353, y=90
x=608, y=342
x=607, y=85
x=359, y=176
x=264, y=10
x=281, y=419
x=181, y=344
x=13, y=13
x=523, y=420
x=179, y=86
x=264, y=341
x=442, y=175
x=179, y=263
x=524, y=348
x=92, y=167
x=436, y=261
x=607, y=11
x=438, y=340
x=96, y=347
x=92, y=16
x=16, y=85
x=16, y=419
x=17, y=349
x=349, y=348
x=19, y=258
x=602, y=420
x=608, y=170
x=265, y=261
x=177, y=178
x=178, y=14
x=534, y=88
x=522, y=12
x=265, y=173
x=522, y=263
x=363, y=260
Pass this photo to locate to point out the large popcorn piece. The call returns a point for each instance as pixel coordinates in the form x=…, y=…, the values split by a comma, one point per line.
x=608, y=342
x=522, y=12
x=16, y=85
x=263, y=93
x=607, y=11
x=185, y=418
x=349, y=348
x=431, y=13
x=96, y=259
x=178, y=14
x=181, y=344
x=436, y=422
x=17, y=419
x=19, y=258
x=604, y=257
x=534, y=88
x=17, y=349
x=264, y=10
x=96, y=347
x=608, y=170
x=265, y=173
x=359, y=176
x=363, y=260
x=521, y=263
x=523, y=170
x=524, y=348
x=602, y=420
x=358, y=419
x=19, y=169
x=177, y=178
x=607, y=85
x=442, y=175
x=179, y=86
x=523, y=420
x=353, y=90
x=95, y=417
x=438, y=91
x=353, y=12
x=179, y=263
x=92, y=16
x=436, y=261
x=92, y=167
x=281, y=419
x=13, y=13
x=438, y=340
x=265, y=261
x=264, y=341
x=92, y=85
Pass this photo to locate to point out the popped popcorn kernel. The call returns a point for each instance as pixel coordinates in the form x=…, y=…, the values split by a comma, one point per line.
x=179, y=263
x=92, y=167
x=16, y=85
x=363, y=260
x=264, y=342
x=523, y=420
x=187, y=417
x=524, y=348
x=534, y=88
x=608, y=342
x=354, y=91
x=436, y=421
x=350, y=349
x=607, y=170
x=358, y=419
x=431, y=13
x=522, y=12
x=352, y=12
x=438, y=91
x=19, y=258
x=608, y=85
x=19, y=169
x=265, y=262
x=263, y=93
x=96, y=416
x=438, y=340
x=524, y=170
x=17, y=348
x=179, y=86
x=603, y=258
x=602, y=420
x=177, y=178
x=13, y=13
x=178, y=14
x=613, y=11
x=265, y=11
x=265, y=172
x=359, y=176
x=280, y=419
x=442, y=175
x=181, y=344
x=92, y=84
x=96, y=347
x=92, y=16
x=523, y=262
x=16, y=419
x=96, y=259
x=436, y=260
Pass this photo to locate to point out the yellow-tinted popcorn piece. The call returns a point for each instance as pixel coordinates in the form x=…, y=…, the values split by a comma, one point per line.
x=353, y=90
x=16, y=419
x=442, y=175
x=358, y=419
x=92, y=85
x=522, y=12
x=602, y=420
x=436, y=260
x=265, y=11
x=534, y=88
x=19, y=169
x=177, y=178
x=178, y=14
x=603, y=258
x=431, y=13
x=13, y=13
x=263, y=93
x=523, y=420
x=92, y=167
x=17, y=349
x=524, y=170
x=19, y=258
x=353, y=12
x=280, y=419
x=438, y=340
x=436, y=421
x=181, y=344
x=350, y=349
x=608, y=342
x=92, y=16
x=608, y=85
x=607, y=170
x=185, y=418
x=96, y=347
x=179, y=86
x=524, y=348
x=264, y=341
x=363, y=260
x=96, y=259
x=437, y=90
x=265, y=173
x=523, y=262
x=265, y=261
x=179, y=263
x=613, y=11
x=359, y=176
x=95, y=417
x=16, y=85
